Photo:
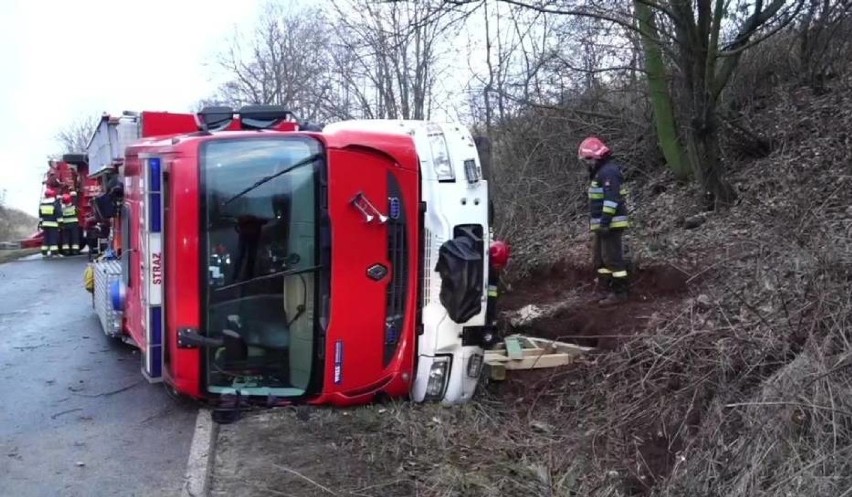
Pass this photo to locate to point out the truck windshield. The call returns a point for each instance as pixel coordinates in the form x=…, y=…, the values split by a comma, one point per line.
x=260, y=260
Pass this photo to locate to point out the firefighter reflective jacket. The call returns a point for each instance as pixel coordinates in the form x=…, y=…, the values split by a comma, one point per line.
x=48, y=212
x=69, y=214
x=607, y=198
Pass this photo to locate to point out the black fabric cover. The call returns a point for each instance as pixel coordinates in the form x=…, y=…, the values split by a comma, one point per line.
x=104, y=207
x=460, y=267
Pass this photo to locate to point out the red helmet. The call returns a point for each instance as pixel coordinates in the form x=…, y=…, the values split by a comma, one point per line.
x=49, y=193
x=66, y=198
x=593, y=148
x=499, y=253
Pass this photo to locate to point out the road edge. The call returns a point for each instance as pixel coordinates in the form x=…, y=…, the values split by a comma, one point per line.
x=199, y=466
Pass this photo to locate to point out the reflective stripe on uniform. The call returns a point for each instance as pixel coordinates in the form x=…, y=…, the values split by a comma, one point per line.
x=619, y=222
x=46, y=209
x=609, y=207
x=604, y=270
x=619, y=274
x=50, y=224
x=596, y=193
x=492, y=291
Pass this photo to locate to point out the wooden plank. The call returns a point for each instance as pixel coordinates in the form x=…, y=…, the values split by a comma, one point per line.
x=514, y=348
x=520, y=352
x=496, y=372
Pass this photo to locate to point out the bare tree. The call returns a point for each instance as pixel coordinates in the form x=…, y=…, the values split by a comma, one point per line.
x=285, y=61
x=74, y=138
x=388, y=54
x=697, y=45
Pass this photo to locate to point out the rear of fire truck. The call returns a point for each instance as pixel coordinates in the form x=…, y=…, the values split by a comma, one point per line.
x=355, y=259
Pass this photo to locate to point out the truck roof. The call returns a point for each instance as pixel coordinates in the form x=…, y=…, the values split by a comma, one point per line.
x=162, y=132
x=399, y=146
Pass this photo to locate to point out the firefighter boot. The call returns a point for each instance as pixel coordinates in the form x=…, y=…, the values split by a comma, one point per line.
x=618, y=293
x=603, y=286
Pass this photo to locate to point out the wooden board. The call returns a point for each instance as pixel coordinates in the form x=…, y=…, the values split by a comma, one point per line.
x=520, y=352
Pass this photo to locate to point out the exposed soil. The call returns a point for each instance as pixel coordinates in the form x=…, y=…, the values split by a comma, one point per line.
x=655, y=291
x=586, y=323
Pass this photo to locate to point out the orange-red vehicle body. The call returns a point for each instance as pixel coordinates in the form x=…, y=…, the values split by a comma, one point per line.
x=162, y=228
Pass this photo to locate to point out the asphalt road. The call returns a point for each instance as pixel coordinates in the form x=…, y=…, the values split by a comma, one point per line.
x=76, y=416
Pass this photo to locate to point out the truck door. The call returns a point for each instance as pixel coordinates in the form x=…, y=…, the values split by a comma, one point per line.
x=374, y=209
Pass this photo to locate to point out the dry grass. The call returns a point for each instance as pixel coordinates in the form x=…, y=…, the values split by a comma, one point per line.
x=15, y=225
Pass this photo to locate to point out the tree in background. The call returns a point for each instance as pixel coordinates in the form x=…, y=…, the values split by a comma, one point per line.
x=354, y=59
x=284, y=60
x=690, y=52
x=75, y=136
x=389, y=55
x=540, y=70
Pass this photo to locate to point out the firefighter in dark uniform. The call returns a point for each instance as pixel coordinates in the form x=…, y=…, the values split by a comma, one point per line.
x=608, y=217
x=48, y=213
x=70, y=225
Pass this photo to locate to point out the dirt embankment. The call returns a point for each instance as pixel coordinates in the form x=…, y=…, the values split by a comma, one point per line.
x=572, y=292
x=15, y=225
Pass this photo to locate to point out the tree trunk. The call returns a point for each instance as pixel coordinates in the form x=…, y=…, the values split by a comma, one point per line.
x=664, y=120
x=704, y=154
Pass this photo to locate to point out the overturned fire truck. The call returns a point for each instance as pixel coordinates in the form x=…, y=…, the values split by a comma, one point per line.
x=286, y=263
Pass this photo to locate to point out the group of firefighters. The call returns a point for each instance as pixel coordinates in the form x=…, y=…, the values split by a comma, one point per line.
x=58, y=220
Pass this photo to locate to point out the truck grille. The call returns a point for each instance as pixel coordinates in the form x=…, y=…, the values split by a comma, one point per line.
x=397, y=255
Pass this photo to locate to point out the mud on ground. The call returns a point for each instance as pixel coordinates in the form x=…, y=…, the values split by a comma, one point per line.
x=580, y=320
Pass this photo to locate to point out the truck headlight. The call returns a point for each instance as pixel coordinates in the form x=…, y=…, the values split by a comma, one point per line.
x=474, y=365
x=440, y=154
x=438, y=376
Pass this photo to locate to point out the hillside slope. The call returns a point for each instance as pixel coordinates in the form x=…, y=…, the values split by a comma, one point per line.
x=15, y=224
x=726, y=375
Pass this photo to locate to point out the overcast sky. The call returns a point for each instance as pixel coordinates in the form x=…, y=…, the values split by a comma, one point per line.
x=63, y=59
